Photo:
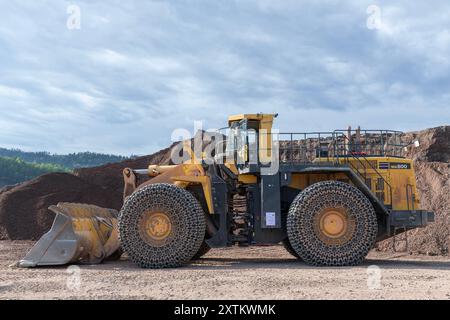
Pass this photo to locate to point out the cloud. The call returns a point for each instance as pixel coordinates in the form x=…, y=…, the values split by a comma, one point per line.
x=12, y=93
x=137, y=70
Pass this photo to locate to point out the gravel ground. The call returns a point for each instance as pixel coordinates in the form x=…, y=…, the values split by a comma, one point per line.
x=232, y=273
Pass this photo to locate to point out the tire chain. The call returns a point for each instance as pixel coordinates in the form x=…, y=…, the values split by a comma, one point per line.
x=310, y=202
x=204, y=249
x=188, y=226
x=287, y=245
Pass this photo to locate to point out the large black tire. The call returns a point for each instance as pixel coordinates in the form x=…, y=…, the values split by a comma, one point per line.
x=287, y=245
x=187, y=226
x=323, y=248
x=204, y=249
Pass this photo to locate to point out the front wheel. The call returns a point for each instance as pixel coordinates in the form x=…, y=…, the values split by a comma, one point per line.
x=204, y=249
x=287, y=245
x=332, y=223
x=161, y=225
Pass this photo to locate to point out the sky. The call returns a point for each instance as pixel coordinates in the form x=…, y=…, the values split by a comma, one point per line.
x=119, y=76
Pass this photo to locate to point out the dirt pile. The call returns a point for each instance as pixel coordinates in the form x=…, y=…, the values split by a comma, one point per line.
x=434, y=144
x=432, y=165
x=433, y=184
x=434, y=188
x=23, y=209
x=110, y=175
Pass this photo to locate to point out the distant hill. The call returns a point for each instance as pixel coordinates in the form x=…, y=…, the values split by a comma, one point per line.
x=15, y=170
x=70, y=161
x=18, y=166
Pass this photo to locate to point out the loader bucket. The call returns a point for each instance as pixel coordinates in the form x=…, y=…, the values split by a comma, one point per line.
x=80, y=233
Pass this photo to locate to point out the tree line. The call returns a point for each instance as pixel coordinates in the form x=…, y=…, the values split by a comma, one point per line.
x=17, y=166
x=15, y=170
x=71, y=161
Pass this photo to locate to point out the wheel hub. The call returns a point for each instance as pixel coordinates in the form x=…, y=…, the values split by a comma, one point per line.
x=334, y=226
x=155, y=227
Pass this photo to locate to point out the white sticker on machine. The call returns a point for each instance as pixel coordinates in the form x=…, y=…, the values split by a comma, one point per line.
x=270, y=219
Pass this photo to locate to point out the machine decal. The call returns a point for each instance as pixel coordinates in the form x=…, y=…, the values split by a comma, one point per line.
x=394, y=165
x=270, y=219
x=399, y=165
x=383, y=165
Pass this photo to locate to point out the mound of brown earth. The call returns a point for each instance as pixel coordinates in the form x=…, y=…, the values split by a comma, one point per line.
x=434, y=144
x=110, y=175
x=433, y=184
x=24, y=208
x=432, y=165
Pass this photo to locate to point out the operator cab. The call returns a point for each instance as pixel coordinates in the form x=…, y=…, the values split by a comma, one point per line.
x=250, y=140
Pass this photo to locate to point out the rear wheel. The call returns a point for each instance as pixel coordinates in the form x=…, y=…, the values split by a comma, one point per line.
x=332, y=223
x=161, y=225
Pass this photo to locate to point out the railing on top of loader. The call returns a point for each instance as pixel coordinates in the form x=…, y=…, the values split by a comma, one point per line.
x=305, y=147
x=328, y=147
x=353, y=148
x=369, y=142
x=322, y=148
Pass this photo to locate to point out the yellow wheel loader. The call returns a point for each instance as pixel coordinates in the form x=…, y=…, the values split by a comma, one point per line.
x=327, y=196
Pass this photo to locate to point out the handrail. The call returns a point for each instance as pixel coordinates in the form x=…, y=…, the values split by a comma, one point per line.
x=380, y=176
x=365, y=168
